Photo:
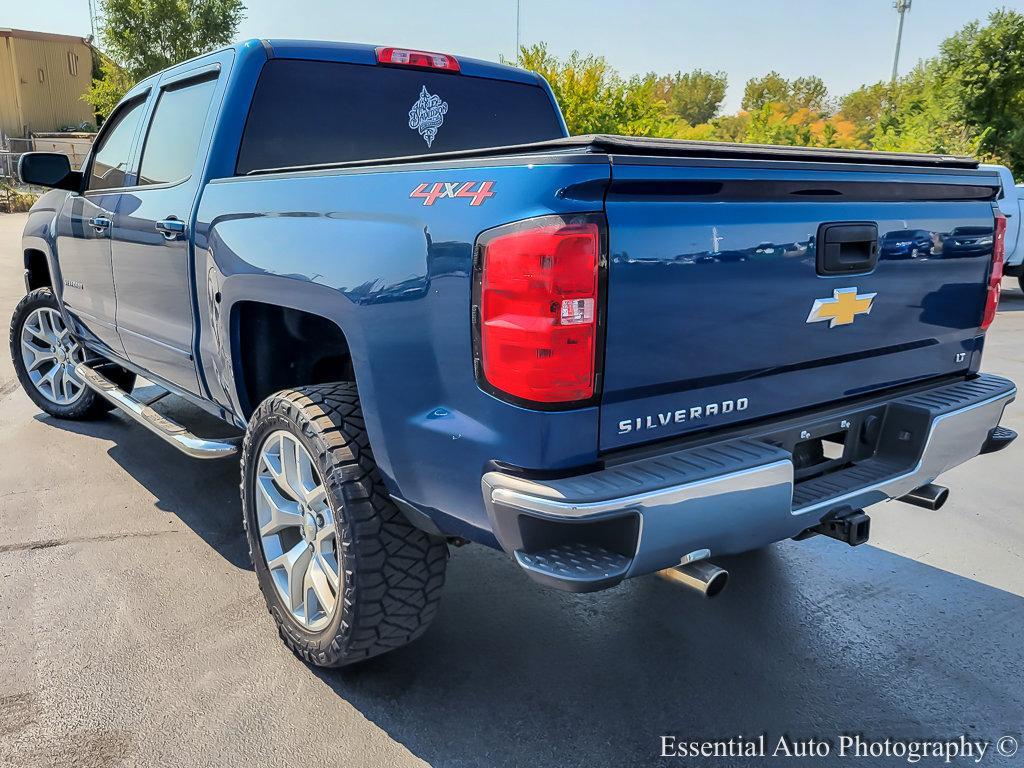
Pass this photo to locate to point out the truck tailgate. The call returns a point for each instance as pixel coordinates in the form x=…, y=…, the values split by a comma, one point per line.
x=713, y=277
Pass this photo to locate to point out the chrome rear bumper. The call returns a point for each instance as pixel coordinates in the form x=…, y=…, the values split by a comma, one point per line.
x=591, y=531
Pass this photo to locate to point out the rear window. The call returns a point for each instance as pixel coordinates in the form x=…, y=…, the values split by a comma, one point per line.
x=313, y=112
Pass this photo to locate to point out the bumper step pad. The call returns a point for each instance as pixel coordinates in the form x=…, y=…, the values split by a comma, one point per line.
x=588, y=567
x=841, y=482
x=998, y=438
x=963, y=394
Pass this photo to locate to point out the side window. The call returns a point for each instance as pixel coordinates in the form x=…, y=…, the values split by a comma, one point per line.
x=174, y=133
x=110, y=161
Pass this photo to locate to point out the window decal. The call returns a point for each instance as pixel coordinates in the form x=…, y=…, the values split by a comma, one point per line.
x=427, y=115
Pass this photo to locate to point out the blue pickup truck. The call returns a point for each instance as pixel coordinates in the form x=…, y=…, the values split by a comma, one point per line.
x=432, y=318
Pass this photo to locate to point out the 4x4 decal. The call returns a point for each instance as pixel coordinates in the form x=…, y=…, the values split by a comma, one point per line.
x=453, y=189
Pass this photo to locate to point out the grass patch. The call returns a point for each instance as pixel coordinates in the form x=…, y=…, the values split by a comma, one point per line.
x=14, y=200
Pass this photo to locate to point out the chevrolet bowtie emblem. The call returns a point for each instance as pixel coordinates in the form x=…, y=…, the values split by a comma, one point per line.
x=842, y=308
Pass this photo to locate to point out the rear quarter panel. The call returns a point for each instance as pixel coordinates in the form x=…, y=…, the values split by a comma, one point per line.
x=395, y=275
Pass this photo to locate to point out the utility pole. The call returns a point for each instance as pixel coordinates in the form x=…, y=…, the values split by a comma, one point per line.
x=92, y=21
x=519, y=11
x=901, y=6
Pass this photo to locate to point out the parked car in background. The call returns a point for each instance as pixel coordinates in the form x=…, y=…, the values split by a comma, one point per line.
x=434, y=318
x=1011, y=205
x=967, y=241
x=906, y=243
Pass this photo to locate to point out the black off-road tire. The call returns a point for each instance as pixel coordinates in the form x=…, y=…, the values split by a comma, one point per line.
x=392, y=573
x=89, y=405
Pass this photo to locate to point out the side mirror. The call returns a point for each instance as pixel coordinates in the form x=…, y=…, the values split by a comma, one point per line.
x=49, y=169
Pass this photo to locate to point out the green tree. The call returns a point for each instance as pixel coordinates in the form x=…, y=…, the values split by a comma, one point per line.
x=968, y=100
x=769, y=125
x=922, y=116
x=109, y=84
x=694, y=97
x=773, y=88
x=809, y=93
x=595, y=99
x=731, y=127
x=982, y=66
x=140, y=37
x=865, y=106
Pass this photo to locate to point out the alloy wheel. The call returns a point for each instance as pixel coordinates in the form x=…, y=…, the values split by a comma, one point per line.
x=50, y=356
x=297, y=530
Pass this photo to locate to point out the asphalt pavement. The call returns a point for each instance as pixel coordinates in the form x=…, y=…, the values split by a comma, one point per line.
x=132, y=631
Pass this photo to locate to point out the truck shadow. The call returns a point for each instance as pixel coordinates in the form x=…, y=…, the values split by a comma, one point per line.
x=202, y=494
x=809, y=640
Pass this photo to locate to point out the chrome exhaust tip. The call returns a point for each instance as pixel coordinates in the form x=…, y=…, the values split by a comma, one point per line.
x=702, y=576
x=929, y=496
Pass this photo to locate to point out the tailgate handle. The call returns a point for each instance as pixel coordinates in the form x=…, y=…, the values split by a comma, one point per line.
x=847, y=247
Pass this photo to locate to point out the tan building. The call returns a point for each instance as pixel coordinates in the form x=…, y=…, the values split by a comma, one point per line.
x=42, y=79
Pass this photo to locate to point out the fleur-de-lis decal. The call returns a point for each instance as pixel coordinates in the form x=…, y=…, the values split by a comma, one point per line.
x=427, y=115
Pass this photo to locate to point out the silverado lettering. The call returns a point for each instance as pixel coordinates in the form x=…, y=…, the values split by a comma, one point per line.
x=682, y=414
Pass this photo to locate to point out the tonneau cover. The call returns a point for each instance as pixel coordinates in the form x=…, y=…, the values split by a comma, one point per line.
x=638, y=145
x=600, y=143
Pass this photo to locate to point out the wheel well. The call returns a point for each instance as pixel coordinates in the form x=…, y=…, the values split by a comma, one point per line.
x=38, y=270
x=280, y=348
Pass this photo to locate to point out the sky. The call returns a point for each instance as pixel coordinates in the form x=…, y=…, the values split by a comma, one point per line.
x=845, y=42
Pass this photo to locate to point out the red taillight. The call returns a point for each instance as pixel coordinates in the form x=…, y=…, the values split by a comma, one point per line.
x=538, y=309
x=403, y=57
x=995, y=280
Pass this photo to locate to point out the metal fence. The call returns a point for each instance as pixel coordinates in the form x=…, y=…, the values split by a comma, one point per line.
x=10, y=150
x=74, y=145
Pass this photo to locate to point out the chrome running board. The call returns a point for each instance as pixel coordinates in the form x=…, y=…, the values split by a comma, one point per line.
x=158, y=424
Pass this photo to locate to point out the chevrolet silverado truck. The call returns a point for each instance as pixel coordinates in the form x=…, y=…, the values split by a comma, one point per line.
x=431, y=317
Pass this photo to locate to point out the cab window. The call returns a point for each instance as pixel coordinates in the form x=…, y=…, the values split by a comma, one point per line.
x=175, y=132
x=110, y=161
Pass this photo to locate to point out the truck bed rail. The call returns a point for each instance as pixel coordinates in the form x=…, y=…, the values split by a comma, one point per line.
x=679, y=148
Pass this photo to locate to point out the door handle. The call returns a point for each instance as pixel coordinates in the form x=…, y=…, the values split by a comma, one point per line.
x=172, y=227
x=99, y=223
